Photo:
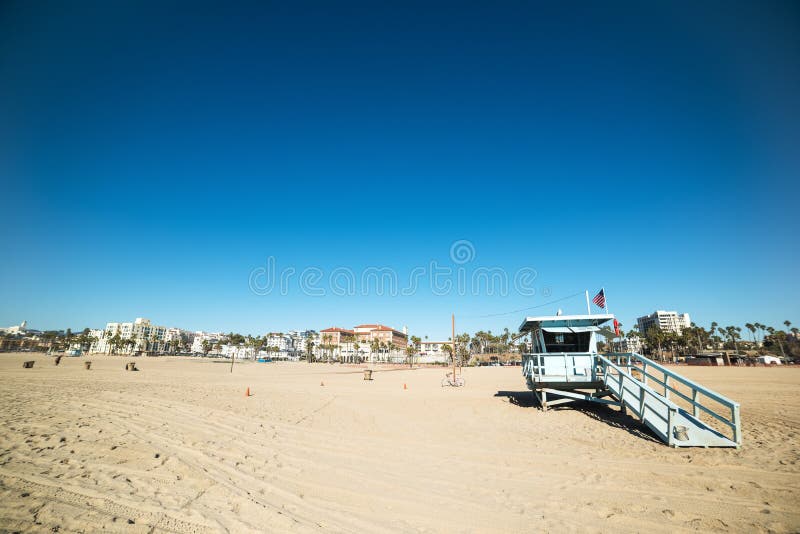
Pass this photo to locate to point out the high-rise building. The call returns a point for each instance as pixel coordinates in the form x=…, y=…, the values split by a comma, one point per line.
x=666, y=321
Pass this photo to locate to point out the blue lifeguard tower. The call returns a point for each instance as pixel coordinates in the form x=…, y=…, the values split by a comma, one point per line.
x=564, y=363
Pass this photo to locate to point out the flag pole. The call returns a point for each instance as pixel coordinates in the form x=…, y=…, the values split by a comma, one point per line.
x=605, y=299
x=588, y=306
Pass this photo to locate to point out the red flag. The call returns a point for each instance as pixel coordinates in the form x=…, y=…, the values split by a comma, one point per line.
x=616, y=327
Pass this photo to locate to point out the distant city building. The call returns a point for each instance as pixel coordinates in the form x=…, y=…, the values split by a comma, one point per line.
x=282, y=345
x=343, y=341
x=16, y=330
x=434, y=352
x=627, y=344
x=239, y=352
x=140, y=335
x=366, y=333
x=301, y=338
x=336, y=336
x=211, y=338
x=177, y=338
x=666, y=321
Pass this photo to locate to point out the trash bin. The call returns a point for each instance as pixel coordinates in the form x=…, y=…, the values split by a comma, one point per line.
x=367, y=374
x=87, y=365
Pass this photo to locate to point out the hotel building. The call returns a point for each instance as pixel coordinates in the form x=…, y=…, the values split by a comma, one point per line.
x=366, y=333
x=145, y=336
x=666, y=321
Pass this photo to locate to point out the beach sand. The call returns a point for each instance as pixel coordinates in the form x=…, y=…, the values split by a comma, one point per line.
x=177, y=447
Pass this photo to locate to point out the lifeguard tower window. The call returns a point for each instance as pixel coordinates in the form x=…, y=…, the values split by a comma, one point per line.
x=566, y=342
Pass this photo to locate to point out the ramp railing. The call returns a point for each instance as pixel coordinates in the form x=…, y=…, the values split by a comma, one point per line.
x=703, y=401
x=648, y=405
x=533, y=365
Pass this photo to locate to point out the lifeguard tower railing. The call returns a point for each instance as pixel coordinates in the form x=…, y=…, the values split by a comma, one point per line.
x=650, y=390
x=545, y=368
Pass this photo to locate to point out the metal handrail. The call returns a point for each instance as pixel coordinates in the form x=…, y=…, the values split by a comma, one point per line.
x=645, y=388
x=646, y=392
x=707, y=392
x=696, y=406
x=734, y=423
x=528, y=364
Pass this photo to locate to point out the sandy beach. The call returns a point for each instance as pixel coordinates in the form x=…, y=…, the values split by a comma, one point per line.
x=177, y=447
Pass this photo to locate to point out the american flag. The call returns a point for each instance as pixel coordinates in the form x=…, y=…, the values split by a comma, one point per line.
x=600, y=299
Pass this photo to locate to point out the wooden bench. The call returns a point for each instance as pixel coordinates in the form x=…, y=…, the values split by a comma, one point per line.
x=28, y=365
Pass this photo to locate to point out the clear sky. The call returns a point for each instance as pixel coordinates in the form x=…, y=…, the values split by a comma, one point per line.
x=155, y=155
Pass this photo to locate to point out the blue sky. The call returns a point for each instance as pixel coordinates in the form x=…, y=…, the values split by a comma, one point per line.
x=154, y=154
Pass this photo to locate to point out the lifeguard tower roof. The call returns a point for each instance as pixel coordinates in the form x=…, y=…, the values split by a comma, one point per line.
x=566, y=323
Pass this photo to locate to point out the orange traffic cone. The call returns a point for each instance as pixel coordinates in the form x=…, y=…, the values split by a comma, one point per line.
x=405, y=386
x=247, y=393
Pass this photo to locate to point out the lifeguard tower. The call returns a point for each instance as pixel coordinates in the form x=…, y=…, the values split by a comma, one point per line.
x=565, y=364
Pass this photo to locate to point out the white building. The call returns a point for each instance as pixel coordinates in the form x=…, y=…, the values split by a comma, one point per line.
x=301, y=338
x=239, y=352
x=627, y=344
x=211, y=338
x=140, y=335
x=282, y=346
x=666, y=321
x=15, y=330
x=434, y=352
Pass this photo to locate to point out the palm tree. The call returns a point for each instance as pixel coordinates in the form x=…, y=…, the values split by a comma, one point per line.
x=733, y=334
x=326, y=343
x=410, y=356
x=448, y=348
x=115, y=342
x=773, y=334
x=374, y=345
x=255, y=343
x=752, y=328
x=153, y=341
x=655, y=338
x=416, y=343
x=757, y=326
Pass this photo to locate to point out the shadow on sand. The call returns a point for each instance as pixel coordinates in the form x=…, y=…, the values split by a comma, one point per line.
x=601, y=413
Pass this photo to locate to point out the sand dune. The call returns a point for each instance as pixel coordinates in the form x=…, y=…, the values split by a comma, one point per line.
x=177, y=447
